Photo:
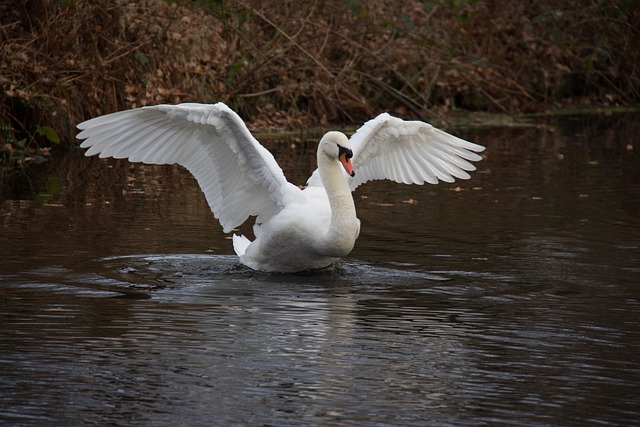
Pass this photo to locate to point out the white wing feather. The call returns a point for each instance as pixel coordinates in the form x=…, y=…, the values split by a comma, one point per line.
x=238, y=176
x=409, y=152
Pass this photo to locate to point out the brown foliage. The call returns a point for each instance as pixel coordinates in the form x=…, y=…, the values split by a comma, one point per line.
x=289, y=63
x=66, y=61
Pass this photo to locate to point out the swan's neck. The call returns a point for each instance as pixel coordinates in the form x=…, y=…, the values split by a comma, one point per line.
x=345, y=227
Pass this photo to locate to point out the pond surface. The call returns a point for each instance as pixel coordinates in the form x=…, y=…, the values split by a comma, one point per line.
x=509, y=299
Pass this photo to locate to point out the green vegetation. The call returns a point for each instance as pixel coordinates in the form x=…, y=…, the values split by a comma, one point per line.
x=289, y=63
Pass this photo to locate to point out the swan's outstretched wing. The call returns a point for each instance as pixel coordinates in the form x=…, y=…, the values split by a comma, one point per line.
x=409, y=152
x=238, y=176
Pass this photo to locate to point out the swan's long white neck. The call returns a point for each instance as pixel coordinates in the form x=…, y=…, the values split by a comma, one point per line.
x=345, y=226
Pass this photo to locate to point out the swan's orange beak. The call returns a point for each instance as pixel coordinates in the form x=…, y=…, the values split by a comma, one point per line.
x=346, y=164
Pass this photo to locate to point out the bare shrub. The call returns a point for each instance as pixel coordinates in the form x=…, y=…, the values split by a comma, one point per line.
x=289, y=63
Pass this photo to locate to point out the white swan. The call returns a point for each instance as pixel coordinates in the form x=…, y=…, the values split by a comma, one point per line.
x=295, y=229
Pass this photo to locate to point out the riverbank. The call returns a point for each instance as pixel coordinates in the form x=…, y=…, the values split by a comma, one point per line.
x=290, y=65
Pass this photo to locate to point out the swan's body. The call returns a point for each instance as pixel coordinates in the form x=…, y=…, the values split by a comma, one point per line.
x=296, y=229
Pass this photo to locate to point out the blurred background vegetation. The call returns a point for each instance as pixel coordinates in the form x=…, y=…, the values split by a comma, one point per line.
x=289, y=64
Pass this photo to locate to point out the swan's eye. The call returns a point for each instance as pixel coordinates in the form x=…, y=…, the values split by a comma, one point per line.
x=346, y=151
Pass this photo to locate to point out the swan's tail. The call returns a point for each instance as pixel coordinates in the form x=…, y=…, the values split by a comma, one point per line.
x=240, y=244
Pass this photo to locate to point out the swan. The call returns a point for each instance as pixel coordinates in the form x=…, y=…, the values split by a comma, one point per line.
x=295, y=229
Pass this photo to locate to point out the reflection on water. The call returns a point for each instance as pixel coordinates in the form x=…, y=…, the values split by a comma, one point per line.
x=510, y=299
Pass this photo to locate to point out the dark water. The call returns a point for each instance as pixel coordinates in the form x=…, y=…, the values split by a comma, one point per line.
x=510, y=299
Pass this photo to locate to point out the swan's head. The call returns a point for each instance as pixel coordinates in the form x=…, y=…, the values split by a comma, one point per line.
x=336, y=146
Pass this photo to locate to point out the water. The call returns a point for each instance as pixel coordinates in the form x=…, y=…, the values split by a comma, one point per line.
x=510, y=299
